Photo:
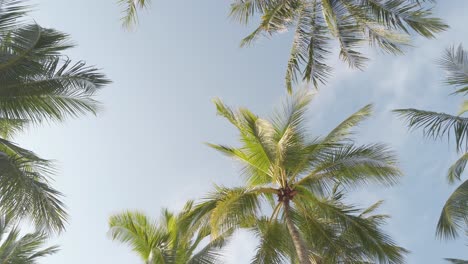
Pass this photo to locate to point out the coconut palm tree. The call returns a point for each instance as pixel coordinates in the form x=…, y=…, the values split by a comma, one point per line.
x=454, y=216
x=21, y=249
x=37, y=84
x=340, y=245
x=385, y=24
x=171, y=240
x=290, y=177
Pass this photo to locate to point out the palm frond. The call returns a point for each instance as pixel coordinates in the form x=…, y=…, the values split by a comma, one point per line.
x=275, y=245
x=309, y=49
x=11, y=127
x=455, y=63
x=437, y=125
x=455, y=171
x=385, y=24
x=142, y=234
x=351, y=165
x=59, y=90
x=454, y=214
x=302, y=172
x=232, y=208
x=38, y=84
x=212, y=252
x=343, y=130
x=18, y=249
x=11, y=14
x=356, y=230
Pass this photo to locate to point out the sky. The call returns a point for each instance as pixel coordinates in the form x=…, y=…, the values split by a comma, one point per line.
x=145, y=151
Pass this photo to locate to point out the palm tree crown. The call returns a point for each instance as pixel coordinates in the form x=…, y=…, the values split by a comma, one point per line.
x=37, y=84
x=454, y=216
x=382, y=23
x=171, y=240
x=295, y=174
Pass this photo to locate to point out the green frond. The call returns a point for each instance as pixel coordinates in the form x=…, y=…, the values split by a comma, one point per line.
x=37, y=84
x=130, y=11
x=297, y=176
x=437, y=125
x=455, y=63
x=143, y=235
x=454, y=215
x=233, y=207
x=11, y=13
x=20, y=249
x=406, y=15
x=309, y=49
x=292, y=113
x=371, y=208
x=257, y=171
x=386, y=25
x=358, y=231
x=343, y=130
x=455, y=171
x=212, y=252
x=171, y=240
x=456, y=261
x=11, y=127
x=275, y=245
x=351, y=165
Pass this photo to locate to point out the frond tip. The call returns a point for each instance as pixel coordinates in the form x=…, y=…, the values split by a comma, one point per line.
x=437, y=125
x=130, y=12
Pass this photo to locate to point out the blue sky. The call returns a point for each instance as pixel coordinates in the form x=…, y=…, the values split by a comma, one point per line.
x=145, y=150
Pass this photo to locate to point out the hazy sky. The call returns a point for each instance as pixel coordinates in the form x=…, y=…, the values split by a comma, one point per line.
x=146, y=151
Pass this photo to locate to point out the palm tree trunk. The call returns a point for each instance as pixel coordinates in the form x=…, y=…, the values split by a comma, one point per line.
x=296, y=237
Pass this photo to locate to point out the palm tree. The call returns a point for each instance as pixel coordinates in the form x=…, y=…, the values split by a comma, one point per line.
x=37, y=84
x=385, y=24
x=295, y=173
x=18, y=249
x=454, y=216
x=171, y=240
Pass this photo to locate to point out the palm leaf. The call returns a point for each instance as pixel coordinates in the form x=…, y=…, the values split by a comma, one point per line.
x=22, y=249
x=455, y=171
x=130, y=12
x=437, y=125
x=455, y=62
x=454, y=213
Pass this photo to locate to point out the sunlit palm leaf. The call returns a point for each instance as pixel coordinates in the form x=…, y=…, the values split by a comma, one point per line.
x=26, y=192
x=456, y=261
x=170, y=240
